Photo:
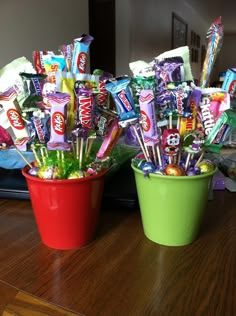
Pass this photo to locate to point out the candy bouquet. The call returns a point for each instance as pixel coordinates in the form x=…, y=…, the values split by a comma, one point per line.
x=58, y=118
x=179, y=121
x=72, y=122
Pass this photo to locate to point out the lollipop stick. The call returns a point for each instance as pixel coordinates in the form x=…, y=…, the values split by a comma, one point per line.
x=140, y=142
x=187, y=161
x=178, y=122
x=77, y=147
x=170, y=120
x=36, y=156
x=159, y=155
x=22, y=156
x=81, y=152
x=145, y=146
x=73, y=146
x=89, y=144
x=179, y=157
x=200, y=158
x=154, y=155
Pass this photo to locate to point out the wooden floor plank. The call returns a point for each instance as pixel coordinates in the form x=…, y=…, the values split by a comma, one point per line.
x=7, y=294
x=27, y=305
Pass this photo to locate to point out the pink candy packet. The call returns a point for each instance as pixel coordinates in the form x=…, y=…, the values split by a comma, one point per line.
x=213, y=103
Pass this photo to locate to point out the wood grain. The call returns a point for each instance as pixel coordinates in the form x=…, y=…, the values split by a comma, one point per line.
x=27, y=305
x=122, y=272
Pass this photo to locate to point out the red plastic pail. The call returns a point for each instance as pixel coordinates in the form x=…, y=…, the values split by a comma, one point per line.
x=66, y=211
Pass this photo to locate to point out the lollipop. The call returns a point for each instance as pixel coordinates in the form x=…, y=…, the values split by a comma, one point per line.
x=215, y=40
x=170, y=142
x=193, y=142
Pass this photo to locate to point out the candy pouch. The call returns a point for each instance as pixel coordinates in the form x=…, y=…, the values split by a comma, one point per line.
x=10, y=76
x=139, y=83
x=67, y=51
x=10, y=115
x=121, y=93
x=38, y=60
x=148, y=117
x=213, y=103
x=58, y=135
x=80, y=54
x=221, y=130
x=182, y=52
x=229, y=85
x=33, y=83
x=52, y=64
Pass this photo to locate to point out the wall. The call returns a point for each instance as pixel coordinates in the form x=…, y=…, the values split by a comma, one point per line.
x=29, y=25
x=226, y=58
x=144, y=28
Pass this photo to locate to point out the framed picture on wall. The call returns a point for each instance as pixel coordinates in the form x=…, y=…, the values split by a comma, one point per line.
x=179, y=31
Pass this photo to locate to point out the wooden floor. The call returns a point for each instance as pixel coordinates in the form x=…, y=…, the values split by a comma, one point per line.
x=121, y=273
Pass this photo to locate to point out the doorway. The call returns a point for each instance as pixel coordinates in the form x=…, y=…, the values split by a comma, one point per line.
x=102, y=28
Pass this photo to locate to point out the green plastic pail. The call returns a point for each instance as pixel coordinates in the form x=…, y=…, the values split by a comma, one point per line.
x=172, y=207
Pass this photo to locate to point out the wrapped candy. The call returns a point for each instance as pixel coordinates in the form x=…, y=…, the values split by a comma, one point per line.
x=80, y=53
x=213, y=103
x=149, y=123
x=10, y=115
x=215, y=39
x=121, y=93
x=170, y=141
x=58, y=139
x=221, y=130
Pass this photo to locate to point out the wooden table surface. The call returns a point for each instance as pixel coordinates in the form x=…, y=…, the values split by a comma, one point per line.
x=122, y=272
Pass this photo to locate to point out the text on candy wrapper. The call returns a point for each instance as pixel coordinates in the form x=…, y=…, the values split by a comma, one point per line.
x=15, y=119
x=207, y=116
x=58, y=123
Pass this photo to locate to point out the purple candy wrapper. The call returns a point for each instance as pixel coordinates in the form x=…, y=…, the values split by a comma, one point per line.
x=148, y=117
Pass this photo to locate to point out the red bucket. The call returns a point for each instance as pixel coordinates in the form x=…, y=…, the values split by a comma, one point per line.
x=66, y=211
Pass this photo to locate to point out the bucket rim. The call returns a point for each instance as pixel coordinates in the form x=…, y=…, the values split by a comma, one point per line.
x=179, y=178
x=61, y=181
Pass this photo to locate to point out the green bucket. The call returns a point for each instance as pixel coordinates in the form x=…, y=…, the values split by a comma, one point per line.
x=172, y=207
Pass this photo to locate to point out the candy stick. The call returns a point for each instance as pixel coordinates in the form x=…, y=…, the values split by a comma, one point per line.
x=154, y=154
x=159, y=155
x=36, y=156
x=187, y=161
x=81, y=152
x=43, y=155
x=22, y=156
x=178, y=122
x=89, y=144
x=170, y=120
x=73, y=146
x=140, y=142
x=146, y=147
x=200, y=158
x=77, y=147
x=179, y=157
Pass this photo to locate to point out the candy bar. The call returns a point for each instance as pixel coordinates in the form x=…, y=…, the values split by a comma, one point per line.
x=10, y=115
x=58, y=103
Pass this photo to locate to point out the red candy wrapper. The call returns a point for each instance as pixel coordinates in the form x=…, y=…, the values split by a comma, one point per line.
x=171, y=141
